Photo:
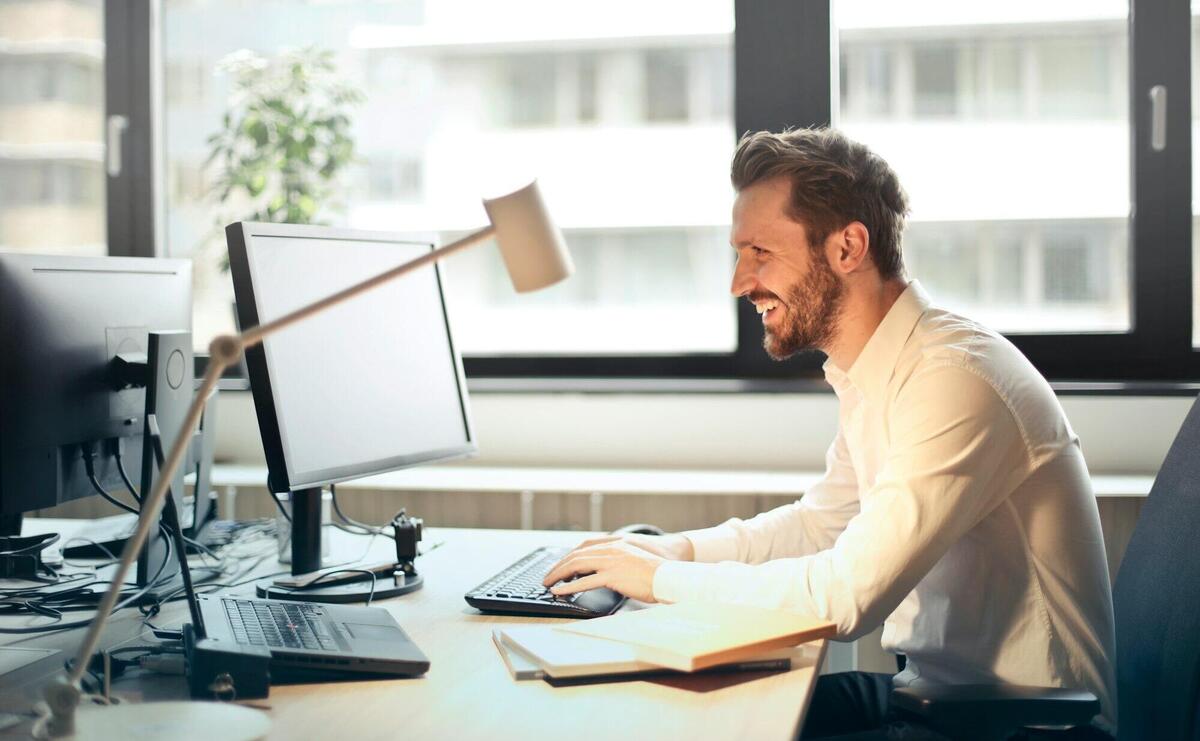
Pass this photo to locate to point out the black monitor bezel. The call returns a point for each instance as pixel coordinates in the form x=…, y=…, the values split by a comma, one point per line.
x=239, y=238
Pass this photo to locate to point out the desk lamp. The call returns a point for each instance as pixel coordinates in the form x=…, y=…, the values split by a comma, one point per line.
x=535, y=257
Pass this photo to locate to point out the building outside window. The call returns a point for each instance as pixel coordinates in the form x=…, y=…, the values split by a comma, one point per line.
x=1012, y=139
x=51, y=126
x=624, y=113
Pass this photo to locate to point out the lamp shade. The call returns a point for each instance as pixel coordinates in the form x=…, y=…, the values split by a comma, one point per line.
x=533, y=248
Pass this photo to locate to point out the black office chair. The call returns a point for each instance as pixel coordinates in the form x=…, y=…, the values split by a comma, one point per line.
x=1157, y=604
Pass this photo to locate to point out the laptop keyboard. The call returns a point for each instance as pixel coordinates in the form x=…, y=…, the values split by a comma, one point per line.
x=279, y=625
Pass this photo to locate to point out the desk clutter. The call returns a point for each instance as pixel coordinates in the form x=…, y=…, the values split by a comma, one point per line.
x=142, y=666
x=668, y=639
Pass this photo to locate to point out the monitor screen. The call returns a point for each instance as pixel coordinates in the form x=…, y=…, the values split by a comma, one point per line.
x=370, y=385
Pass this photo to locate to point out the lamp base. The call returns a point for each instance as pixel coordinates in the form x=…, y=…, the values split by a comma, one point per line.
x=178, y=721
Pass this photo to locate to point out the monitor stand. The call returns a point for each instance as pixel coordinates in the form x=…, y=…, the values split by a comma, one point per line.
x=10, y=524
x=169, y=377
x=306, y=558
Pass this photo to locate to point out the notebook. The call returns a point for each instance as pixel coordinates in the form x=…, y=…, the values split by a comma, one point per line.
x=543, y=652
x=693, y=636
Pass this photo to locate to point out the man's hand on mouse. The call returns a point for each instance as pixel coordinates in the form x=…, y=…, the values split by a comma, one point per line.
x=625, y=564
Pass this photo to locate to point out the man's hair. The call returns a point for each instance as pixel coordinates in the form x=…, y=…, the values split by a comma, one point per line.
x=835, y=181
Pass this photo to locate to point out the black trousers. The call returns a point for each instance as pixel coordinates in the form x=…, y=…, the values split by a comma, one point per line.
x=853, y=706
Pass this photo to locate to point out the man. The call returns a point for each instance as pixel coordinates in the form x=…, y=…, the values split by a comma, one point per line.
x=956, y=508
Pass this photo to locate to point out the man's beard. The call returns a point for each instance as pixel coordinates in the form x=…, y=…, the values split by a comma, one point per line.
x=811, y=312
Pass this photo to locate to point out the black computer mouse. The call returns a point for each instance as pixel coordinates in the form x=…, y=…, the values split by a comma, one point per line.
x=639, y=529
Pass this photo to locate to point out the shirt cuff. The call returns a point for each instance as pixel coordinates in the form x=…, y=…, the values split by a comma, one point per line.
x=713, y=544
x=680, y=581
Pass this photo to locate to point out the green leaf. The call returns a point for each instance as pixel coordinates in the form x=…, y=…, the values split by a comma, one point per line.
x=285, y=135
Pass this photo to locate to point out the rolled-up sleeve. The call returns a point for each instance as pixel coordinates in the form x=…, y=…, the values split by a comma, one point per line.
x=955, y=453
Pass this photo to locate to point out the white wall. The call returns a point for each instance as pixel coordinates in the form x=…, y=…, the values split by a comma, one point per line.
x=724, y=431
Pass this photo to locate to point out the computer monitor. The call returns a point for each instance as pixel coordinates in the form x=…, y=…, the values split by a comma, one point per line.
x=63, y=322
x=372, y=385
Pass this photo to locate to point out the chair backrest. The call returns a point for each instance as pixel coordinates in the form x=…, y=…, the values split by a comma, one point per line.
x=1157, y=602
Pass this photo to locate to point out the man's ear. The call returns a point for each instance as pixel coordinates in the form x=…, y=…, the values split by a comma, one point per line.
x=849, y=250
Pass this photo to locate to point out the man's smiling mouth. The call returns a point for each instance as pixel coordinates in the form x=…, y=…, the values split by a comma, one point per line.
x=766, y=308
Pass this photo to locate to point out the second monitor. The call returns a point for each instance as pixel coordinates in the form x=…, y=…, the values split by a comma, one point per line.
x=370, y=386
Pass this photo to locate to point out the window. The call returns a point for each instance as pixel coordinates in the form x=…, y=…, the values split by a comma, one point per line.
x=978, y=159
x=1077, y=77
x=586, y=91
x=1022, y=134
x=393, y=178
x=529, y=87
x=935, y=79
x=666, y=85
x=866, y=79
x=629, y=133
x=52, y=180
x=1001, y=67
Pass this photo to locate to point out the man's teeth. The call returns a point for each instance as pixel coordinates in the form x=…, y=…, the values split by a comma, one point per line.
x=766, y=306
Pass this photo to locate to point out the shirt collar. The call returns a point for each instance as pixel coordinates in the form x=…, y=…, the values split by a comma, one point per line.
x=875, y=364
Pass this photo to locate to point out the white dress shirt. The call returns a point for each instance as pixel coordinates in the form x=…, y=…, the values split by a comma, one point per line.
x=956, y=509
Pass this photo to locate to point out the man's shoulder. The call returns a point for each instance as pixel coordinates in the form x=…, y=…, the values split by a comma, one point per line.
x=945, y=338
x=962, y=357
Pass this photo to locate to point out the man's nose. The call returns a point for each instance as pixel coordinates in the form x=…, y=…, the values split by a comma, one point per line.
x=743, y=279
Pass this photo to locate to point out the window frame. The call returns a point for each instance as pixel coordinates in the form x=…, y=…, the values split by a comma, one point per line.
x=131, y=81
x=785, y=74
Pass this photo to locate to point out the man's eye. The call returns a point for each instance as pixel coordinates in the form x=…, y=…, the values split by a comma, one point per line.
x=758, y=250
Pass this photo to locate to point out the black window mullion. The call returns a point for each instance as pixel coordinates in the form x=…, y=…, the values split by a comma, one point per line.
x=785, y=69
x=782, y=78
x=128, y=31
x=1160, y=54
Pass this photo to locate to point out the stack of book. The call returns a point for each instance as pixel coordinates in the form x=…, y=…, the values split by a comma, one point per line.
x=667, y=639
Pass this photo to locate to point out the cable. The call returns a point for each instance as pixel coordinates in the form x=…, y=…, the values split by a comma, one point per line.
x=365, y=529
x=87, y=463
x=125, y=475
x=74, y=591
x=62, y=580
x=100, y=490
x=67, y=600
x=203, y=549
x=88, y=455
x=99, y=546
x=134, y=493
x=282, y=510
x=90, y=467
x=77, y=623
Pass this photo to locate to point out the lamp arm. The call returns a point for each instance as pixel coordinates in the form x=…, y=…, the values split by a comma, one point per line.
x=151, y=507
x=63, y=697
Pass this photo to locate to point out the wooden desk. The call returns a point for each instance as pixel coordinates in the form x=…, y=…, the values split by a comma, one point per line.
x=468, y=693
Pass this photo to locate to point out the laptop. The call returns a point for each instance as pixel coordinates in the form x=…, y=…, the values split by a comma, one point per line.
x=308, y=641
x=311, y=641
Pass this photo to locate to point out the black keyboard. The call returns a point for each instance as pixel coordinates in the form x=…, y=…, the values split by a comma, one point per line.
x=518, y=589
x=279, y=625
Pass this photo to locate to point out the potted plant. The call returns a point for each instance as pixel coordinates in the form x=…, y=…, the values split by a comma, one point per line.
x=284, y=143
